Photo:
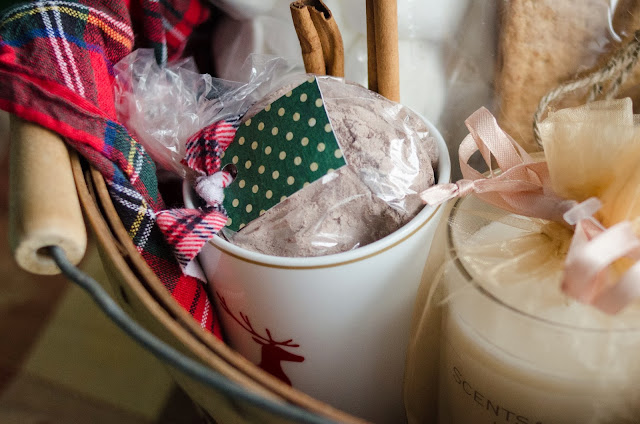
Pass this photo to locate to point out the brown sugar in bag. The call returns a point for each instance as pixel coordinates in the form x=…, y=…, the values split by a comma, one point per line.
x=543, y=43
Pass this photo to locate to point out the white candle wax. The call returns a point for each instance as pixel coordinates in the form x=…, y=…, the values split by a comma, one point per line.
x=515, y=350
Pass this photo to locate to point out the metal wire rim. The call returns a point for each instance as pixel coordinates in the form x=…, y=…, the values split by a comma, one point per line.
x=170, y=355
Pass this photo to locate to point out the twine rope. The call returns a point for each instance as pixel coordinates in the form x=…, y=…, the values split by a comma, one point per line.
x=619, y=67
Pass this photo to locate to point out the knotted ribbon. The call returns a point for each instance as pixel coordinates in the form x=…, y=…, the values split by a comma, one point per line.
x=522, y=186
x=188, y=230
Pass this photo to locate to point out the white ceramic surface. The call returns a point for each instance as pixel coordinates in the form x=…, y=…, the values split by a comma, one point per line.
x=343, y=320
x=244, y=9
x=433, y=20
x=268, y=30
x=423, y=84
x=234, y=40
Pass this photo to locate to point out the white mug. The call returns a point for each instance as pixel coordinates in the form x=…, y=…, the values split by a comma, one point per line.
x=335, y=327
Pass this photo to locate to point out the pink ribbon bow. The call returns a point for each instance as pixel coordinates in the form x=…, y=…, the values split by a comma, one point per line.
x=523, y=187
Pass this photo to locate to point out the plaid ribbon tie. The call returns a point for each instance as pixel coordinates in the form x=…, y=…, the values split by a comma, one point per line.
x=188, y=230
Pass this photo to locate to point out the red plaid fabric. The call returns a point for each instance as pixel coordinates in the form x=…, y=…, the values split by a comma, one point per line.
x=56, y=69
x=203, y=149
x=187, y=231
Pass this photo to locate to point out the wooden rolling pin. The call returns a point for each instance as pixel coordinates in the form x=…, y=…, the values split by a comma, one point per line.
x=44, y=208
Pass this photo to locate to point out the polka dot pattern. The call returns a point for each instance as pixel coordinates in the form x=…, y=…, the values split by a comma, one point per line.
x=280, y=150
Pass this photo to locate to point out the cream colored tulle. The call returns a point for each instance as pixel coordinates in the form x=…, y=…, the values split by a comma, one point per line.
x=594, y=151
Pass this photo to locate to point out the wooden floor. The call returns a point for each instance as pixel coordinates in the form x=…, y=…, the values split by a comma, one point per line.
x=62, y=361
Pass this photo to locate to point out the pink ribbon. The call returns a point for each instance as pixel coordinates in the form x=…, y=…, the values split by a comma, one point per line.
x=588, y=276
x=523, y=187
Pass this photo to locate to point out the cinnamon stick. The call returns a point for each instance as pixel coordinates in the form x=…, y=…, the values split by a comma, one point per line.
x=312, y=54
x=314, y=21
x=372, y=64
x=330, y=37
x=385, y=24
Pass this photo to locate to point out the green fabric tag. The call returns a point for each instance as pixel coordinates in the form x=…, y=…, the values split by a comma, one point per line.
x=283, y=148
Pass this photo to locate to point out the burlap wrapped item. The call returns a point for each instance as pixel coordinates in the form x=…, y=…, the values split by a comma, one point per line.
x=546, y=42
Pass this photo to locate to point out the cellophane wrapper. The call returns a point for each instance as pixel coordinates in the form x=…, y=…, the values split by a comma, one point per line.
x=390, y=154
x=506, y=55
x=164, y=106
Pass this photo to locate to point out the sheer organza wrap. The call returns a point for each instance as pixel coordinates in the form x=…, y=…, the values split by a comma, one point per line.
x=593, y=150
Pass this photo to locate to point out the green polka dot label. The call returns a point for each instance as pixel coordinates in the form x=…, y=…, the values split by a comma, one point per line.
x=280, y=150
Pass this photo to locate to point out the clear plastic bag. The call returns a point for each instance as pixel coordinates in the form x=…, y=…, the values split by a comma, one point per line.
x=163, y=107
x=427, y=31
x=390, y=154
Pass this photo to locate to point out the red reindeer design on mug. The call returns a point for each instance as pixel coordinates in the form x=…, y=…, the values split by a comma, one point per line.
x=272, y=353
